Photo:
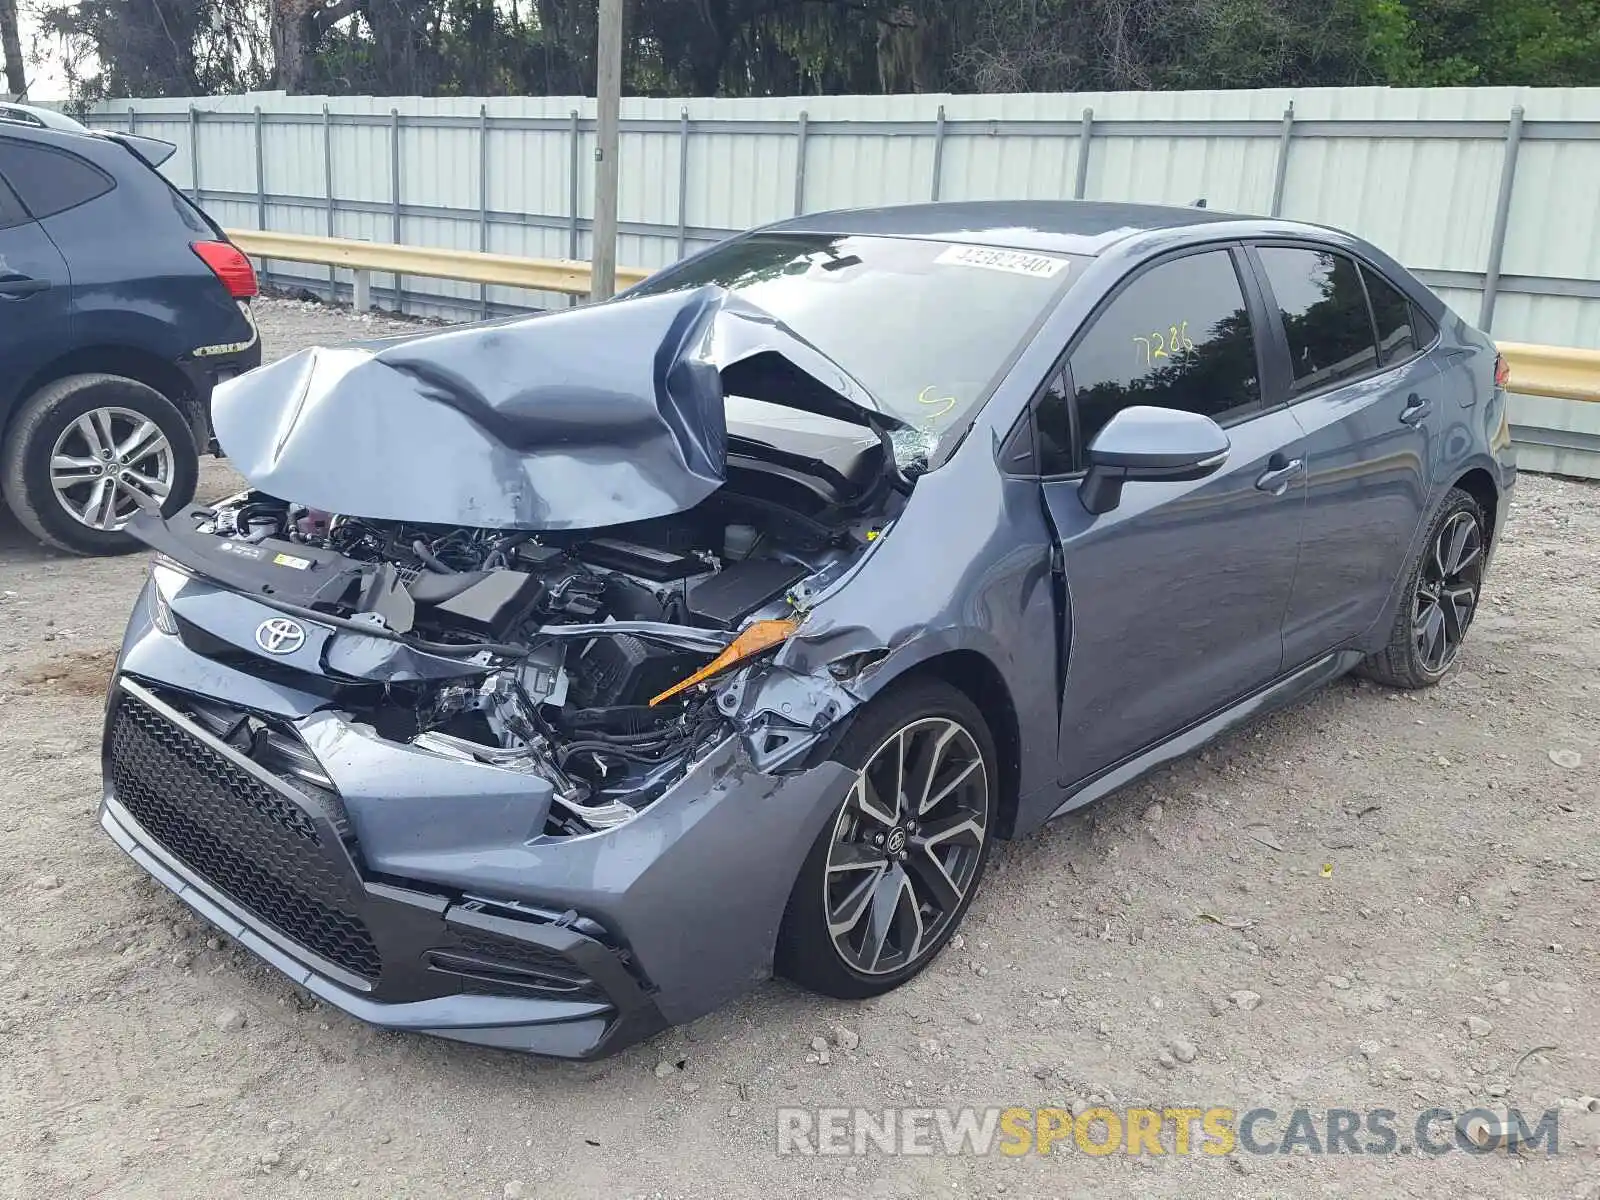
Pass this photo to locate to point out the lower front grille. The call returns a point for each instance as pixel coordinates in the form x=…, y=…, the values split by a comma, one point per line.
x=497, y=964
x=239, y=834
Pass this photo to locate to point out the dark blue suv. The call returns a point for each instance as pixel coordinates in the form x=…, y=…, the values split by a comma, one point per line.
x=121, y=306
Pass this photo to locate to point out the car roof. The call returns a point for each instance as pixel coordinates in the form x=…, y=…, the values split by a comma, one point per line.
x=38, y=118
x=1064, y=226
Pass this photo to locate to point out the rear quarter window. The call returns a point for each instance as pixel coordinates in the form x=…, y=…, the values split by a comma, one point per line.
x=1394, y=316
x=48, y=180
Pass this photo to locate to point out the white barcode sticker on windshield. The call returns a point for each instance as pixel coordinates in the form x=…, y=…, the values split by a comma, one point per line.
x=1018, y=262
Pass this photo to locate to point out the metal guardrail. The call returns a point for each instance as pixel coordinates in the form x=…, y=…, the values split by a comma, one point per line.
x=1561, y=372
x=472, y=266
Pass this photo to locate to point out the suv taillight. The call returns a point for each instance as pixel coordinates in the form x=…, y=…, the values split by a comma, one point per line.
x=230, y=265
x=1502, y=371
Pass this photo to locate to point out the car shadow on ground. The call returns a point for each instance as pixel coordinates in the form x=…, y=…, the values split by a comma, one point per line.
x=19, y=547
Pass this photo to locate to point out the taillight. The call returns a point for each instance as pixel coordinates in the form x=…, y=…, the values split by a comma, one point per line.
x=1502, y=371
x=229, y=265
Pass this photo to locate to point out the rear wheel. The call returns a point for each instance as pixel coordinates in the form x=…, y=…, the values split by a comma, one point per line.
x=86, y=453
x=1440, y=599
x=891, y=874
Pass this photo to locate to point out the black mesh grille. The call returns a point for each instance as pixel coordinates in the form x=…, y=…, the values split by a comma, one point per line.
x=239, y=834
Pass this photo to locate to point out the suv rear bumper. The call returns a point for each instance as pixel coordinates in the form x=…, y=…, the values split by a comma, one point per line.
x=205, y=371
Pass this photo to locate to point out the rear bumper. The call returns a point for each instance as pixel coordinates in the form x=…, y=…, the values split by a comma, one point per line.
x=206, y=371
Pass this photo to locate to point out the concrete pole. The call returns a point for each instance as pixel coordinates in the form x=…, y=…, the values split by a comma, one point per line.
x=608, y=90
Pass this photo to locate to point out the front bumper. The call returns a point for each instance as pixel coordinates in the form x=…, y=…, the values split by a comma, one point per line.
x=417, y=913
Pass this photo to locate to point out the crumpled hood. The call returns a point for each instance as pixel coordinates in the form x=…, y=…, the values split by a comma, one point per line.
x=572, y=420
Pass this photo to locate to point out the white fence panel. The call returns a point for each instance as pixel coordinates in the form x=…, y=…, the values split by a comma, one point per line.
x=1418, y=172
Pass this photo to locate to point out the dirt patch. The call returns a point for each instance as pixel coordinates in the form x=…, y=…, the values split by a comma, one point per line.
x=77, y=673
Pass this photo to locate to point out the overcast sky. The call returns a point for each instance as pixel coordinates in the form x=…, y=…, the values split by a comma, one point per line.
x=44, y=83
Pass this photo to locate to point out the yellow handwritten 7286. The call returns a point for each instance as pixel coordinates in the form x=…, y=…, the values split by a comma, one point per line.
x=1165, y=345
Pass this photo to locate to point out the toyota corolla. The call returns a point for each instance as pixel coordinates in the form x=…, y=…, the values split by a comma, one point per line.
x=558, y=679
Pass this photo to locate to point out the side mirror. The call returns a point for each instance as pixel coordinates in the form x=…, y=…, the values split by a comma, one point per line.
x=1150, y=444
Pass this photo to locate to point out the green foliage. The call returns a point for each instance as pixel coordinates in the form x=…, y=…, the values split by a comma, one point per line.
x=789, y=47
x=158, y=47
x=1539, y=43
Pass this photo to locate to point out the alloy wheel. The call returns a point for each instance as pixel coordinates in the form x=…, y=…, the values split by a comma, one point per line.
x=906, y=846
x=110, y=463
x=1447, y=591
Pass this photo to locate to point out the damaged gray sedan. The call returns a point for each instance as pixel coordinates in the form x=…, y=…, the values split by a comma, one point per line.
x=559, y=679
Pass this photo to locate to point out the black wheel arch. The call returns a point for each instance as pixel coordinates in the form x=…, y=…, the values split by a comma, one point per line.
x=131, y=362
x=1480, y=485
x=975, y=676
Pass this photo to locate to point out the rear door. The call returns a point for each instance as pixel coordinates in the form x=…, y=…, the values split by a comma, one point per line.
x=1175, y=597
x=35, y=297
x=1369, y=402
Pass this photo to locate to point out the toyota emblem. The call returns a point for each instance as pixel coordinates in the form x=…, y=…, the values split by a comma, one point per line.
x=280, y=635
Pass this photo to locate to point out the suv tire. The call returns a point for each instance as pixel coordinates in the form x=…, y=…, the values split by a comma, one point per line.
x=89, y=419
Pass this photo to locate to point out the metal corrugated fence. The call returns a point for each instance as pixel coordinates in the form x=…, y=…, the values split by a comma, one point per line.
x=1432, y=175
x=1492, y=195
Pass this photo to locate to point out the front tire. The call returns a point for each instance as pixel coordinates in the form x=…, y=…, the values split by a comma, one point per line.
x=85, y=453
x=1440, y=599
x=891, y=874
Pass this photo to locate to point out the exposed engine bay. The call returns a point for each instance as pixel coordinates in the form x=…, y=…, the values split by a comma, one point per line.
x=568, y=561
x=590, y=659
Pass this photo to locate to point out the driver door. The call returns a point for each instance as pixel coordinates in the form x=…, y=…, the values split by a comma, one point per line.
x=1175, y=598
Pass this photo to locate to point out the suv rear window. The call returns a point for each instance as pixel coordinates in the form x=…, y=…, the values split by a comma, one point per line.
x=50, y=181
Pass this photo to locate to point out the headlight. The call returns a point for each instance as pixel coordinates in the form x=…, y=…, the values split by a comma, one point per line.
x=163, y=580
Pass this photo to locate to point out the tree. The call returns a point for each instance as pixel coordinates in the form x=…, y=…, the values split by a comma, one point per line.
x=804, y=47
x=296, y=27
x=11, y=48
x=159, y=47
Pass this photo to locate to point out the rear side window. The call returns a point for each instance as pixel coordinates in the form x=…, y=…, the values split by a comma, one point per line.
x=1324, y=310
x=1178, y=336
x=1392, y=314
x=50, y=181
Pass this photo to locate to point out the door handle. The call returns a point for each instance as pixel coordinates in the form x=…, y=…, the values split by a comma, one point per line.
x=1416, y=408
x=19, y=287
x=1279, y=472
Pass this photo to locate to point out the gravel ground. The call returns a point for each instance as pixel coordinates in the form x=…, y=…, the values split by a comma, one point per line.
x=1407, y=883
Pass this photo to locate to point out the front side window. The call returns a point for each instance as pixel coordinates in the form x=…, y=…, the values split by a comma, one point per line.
x=50, y=181
x=1178, y=336
x=1053, y=429
x=1324, y=313
x=925, y=326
